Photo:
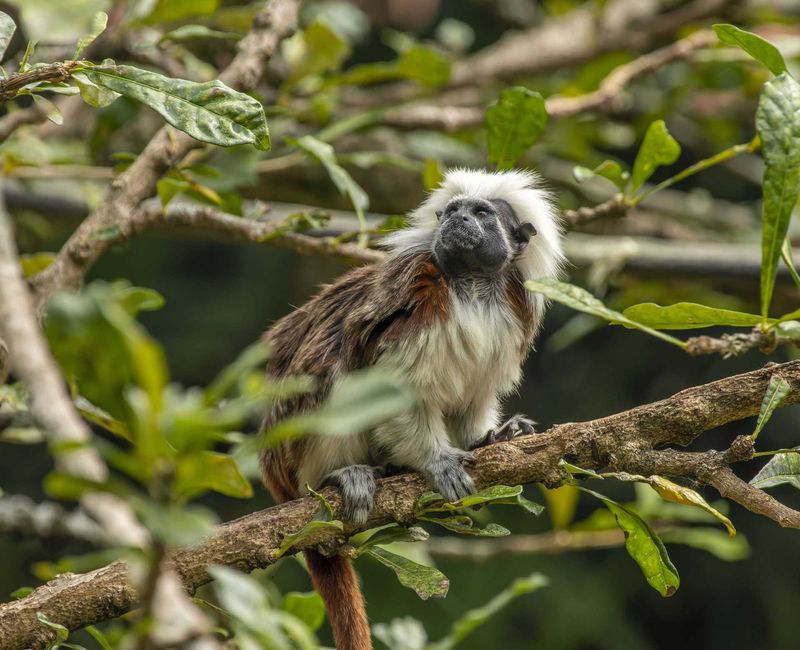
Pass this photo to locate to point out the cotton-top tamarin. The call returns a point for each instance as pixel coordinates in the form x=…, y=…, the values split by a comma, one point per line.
x=448, y=314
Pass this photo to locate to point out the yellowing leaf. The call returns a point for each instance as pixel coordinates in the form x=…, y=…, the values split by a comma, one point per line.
x=688, y=497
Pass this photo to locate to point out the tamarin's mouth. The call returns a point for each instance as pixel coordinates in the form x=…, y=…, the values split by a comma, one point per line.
x=459, y=236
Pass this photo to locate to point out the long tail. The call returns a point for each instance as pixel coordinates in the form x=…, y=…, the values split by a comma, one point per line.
x=336, y=582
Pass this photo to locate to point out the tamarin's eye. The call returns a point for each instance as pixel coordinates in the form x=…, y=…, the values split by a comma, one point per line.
x=481, y=213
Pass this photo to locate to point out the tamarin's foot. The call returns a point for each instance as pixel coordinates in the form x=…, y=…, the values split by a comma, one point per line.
x=448, y=477
x=357, y=483
x=516, y=426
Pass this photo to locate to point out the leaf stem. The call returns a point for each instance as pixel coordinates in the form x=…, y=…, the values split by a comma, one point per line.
x=725, y=154
x=774, y=452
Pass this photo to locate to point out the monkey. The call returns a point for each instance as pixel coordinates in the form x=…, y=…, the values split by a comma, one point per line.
x=447, y=313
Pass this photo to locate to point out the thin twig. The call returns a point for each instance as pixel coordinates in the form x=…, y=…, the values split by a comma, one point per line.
x=549, y=543
x=11, y=85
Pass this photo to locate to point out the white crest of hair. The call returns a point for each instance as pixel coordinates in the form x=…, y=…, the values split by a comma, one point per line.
x=523, y=192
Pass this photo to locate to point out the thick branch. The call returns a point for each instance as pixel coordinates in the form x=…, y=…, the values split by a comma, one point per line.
x=119, y=207
x=252, y=541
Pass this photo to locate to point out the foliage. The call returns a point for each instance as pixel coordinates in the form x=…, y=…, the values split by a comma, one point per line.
x=175, y=451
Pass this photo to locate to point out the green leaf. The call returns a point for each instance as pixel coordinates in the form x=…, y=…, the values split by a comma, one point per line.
x=173, y=524
x=426, y=581
x=356, y=403
x=390, y=535
x=30, y=48
x=35, y=263
x=644, y=546
x=417, y=63
x=711, y=540
x=209, y=112
x=193, y=32
x=574, y=469
x=611, y=170
x=7, y=29
x=94, y=95
x=210, y=470
x=137, y=299
x=22, y=436
x=686, y=496
x=582, y=300
x=401, y=634
x=782, y=469
x=311, y=528
x=308, y=607
x=99, y=23
x=70, y=488
x=477, y=617
x=687, y=315
x=777, y=390
x=341, y=178
x=98, y=636
x=760, y=49
x=465, y=525
x=325, y=512
x=658, y=148
x=424, y=65
x=98, y=416
x=50, y=109
x=239, y=594
x=513, y=124
x=432, y=174
x=778, y=127
x=786, y=255
x=252, y=357
x=324, y=50
x=22, y=592
x=167, y=11
x=61, y=632
x=496, y=494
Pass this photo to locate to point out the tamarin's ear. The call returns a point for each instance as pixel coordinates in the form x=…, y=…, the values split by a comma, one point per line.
x=439, y=214
x=525, y=231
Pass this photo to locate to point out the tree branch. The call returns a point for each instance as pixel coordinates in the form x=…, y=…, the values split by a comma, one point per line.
x=609, y=92
x=118, y=210
x=552, y=542
x=11, y=85
x=580, y=36
x=51, y=406
x=624, y=441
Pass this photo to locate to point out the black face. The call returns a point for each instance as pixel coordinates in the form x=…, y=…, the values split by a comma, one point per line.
x=479, y=237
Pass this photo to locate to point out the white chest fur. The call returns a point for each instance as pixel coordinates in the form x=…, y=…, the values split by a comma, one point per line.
x=475, y=351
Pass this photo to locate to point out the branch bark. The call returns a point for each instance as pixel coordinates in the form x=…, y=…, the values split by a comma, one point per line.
x=11, y=85
x=624, y=441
